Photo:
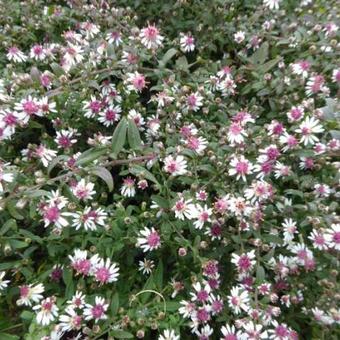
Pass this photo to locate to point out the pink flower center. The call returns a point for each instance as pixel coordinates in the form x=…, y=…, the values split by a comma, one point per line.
x=153, y=239
x=244, y=263
x=24, y=291
x=336, y=237
x=242, y=167
x=97, y=311
x=30, y=107
x=102, y=274
x=52, y=214
x=235, y=129
x=192, y=100
x=95, y=106
x=10, y=119
x=110, y=115
x=202, y=296
x=64, y=141
x=202, y=315
x=47, y=306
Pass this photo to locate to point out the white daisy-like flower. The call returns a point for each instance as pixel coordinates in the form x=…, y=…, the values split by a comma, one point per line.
x=15, y=54
x=238, y=300
x=97, y=311
x=146, y=266
x=3, y=283
x=71, y=320
x=183, y=209
x=29, y=293
x=175, y=166
x=47, y=311
x=150, y=37
x=149, y=239
x=128, y=188
x=308, y=128
x=169, y=334
x=240, y=167
x=187, y=42
x=239, y=37
x=5, y=176
x=201, y=214
x=84, y=190
x=272, y=4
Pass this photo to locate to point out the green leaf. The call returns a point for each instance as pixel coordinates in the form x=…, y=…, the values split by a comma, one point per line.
x=10, y=224
x=161, y=201
x=269, y=65
x=16, y=244
x=55, y=161
x=260, y=56
x=119, y=136
x=90, y=155
x=6, y=336
x=10, y=205
x=168, y=56
x=104, y=174
x=138, y=170
x=260, y=274
x=115, y=304
x=120, y=334
x=158, y=275
x=182, y=64
x=133, y=135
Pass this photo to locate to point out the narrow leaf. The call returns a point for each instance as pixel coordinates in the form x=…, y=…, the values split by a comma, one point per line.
x=104, y=174
x=119, y=136
x=133, y=135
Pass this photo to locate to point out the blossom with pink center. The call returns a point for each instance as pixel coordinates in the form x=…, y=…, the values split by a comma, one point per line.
x=72, y=55
x=306, y=163
x=201, y=294
x=197, y=144
x=83, y=190
x=105, y=272
x=201, y=195
x=322, y=190
x=194, y=101
x=227, y=86
x=239, y=37
x=37, y=52
x=77, y=301
x=332, y=236
x=244, y=262
x=149, y=239
x=187, y=42
x=15, y=54
x=254, y=331
x=296, y=113
x=230, y=333
x=308, y=128
x=240, y=167
x=97, y=311
x=52, y=214
x=46, y=79
x=65, y=138
x=47, y=311
x=183, y=209
x=258, y=191
x=150, y=37
x=110, y=115
x=301, y=68
x=318, y=239
x=92, y=107
x=270, y=153
x=236, y=134
x=282, y=170
x=175, y=166
x=9, y=120
x=216, y=304
x=30, y=293
x=137, y=118
x=71, y=320
x=128, y=188
x=44, y=154
x=289, y=229
x=80, y=263
x=27, y=108
x=315, y=85
x=289, y=141
x=238, y=300
x=114, y=37
x=201, y=214
x=135, y=82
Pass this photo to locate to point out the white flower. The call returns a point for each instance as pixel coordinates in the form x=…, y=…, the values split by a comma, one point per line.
x=202, y=214
x=37, y=52
x=169, y=334
x=194, y=101
x=15, y=54
x=272, y=4
x=83, y=190
x=333, y=236
x=236, y=134
x=308, y=128
x=46, y=155
x=239, y=37
x=175, y=166
x=5, y=176
x=128, y=188
x=150, y=37
x=47, y=311
x=183, y=209
x=29, y=293
x=149, y=239
x=240, y=167
x=3, y=283
x=146, y=266
x=238, y=301
x=110, y=115
x=70, y=320
x=135, y=82
x=187, y=43
x=77, y=301
x=97, y=311
x=103, y=271
x=244, y=262
x=254, y=331
x=289, y=229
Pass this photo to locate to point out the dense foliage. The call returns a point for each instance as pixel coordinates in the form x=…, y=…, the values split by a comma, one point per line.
x=169, y=169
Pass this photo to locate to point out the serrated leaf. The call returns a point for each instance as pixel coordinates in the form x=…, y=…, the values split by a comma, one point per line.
x=104, y=174
x=119, y=136
x=134, y=139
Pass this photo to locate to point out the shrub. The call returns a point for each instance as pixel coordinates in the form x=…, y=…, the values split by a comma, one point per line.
x=169, y=169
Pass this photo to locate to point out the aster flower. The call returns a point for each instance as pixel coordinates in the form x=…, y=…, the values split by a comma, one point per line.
x=146, y=266
x=80, y=263
x=136, y=117
x=83, y=190
x=272, y=4
x=289, y=229
x=318, y=239
x=71, y=320
x=175, y=166
x=37, y=52
x=65, y=138
x=3, y=283
x=239, y=37
x=150, y=37
x=148, y=239
x=332, y=235
x=77, y=301
x=255, y=331
x=29, y=293
x=301, y=68
x=47, y=311
x=240, y=167
x=5, y=175
x=187, y=42
x=201, y=214
x=238, y=300
x=194, y=102
x=15, y=54
x=244, y=262
x=105, y=272
x=97, y=311
x=230, y=333
x=114, y=38
x=308, y=128
x=27, y=108
x=135, y=82
x=92, y=107
x=110, y=115
x=183, y=209
x=169, y=334
x=236, y=134
x=44, y=154
x=128, y=188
